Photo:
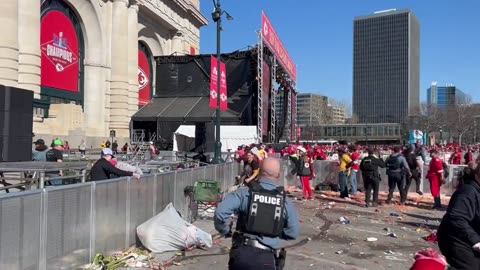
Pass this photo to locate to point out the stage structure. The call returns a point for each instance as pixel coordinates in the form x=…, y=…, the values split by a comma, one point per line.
x=277, y=75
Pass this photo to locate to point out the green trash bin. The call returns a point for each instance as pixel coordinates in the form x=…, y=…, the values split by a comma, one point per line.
x=206, y=191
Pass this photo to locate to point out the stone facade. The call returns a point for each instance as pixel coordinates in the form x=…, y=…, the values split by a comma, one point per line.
x=112, y=30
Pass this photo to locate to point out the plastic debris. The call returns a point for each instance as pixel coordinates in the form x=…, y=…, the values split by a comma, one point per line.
x=372, y=239
x=344, y=220
x=394, y=215
x=432, y=238
x=339, y=252
x=391, y=234
x=309, y=239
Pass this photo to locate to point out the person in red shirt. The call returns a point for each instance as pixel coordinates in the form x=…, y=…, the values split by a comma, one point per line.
x=319, y=154
x=435, y=176
x=355, y=156
x=456, y=158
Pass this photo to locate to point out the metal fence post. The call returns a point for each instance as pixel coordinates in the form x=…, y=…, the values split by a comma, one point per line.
x=84, y=176
x=127, y=214
x=92, y=221
x=174, y=187
x=41, y=180
x=42, y=264
x=154, y=195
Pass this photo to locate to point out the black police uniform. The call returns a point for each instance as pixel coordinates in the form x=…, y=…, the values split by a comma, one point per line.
x=371, y=178
x=265, y=216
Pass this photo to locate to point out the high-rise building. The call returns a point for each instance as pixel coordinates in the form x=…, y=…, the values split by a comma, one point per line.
x=386, y=66
x=445, y=95
x=337, y=114
x=314, y=110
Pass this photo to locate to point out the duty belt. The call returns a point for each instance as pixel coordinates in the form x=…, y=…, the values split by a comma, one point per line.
x=239, y=239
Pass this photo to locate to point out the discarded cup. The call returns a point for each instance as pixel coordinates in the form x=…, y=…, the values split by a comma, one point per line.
x=372, y=239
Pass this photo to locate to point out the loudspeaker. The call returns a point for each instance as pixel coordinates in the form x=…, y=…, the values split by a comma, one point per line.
x=16, y=121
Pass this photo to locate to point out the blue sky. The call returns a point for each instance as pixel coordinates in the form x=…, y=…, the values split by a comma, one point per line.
x=319, y=37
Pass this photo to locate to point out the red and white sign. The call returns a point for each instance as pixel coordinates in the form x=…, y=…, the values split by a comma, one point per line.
x=213, y=82
x=273, y=42
x=144, y=78
x=223, y=88
x=59, y=46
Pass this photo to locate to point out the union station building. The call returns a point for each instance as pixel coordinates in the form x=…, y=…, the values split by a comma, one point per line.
x=90, y=62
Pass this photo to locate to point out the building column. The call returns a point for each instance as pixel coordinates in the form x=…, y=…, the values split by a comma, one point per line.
x=29, y=45
x=132, y=59
x=177, y=43
x=94, y=99
x=9, y=42
x=119, y=116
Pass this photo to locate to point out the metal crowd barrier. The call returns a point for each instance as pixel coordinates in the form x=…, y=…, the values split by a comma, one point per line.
x=64, y=227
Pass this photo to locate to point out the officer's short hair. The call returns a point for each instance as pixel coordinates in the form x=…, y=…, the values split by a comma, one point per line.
x=370, y=151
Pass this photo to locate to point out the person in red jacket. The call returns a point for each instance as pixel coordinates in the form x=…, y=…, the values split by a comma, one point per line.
x=456, y=158
x=435, y=176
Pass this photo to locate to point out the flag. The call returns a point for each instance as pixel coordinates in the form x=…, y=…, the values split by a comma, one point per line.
x=213, y=82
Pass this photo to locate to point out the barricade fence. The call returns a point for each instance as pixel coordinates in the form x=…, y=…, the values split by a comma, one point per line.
x=64, y=227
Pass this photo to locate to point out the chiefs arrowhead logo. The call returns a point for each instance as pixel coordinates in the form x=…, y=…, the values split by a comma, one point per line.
x=223, y=97
x=265, y=29
x=213, y=94
x=142, y=79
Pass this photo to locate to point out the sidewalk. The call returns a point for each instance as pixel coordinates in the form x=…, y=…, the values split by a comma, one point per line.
x=325, y=243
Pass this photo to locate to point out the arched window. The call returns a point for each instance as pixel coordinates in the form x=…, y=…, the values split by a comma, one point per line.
x=62, y=54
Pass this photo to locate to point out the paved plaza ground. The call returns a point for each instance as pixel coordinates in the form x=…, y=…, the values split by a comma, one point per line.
x=326, y=243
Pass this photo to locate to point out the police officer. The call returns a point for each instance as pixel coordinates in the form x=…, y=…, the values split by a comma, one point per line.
x=371, y=177
x=265, y=216
x=396, y=167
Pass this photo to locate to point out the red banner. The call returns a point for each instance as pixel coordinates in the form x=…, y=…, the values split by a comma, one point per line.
x=59, y=46
x=223, y=88
x=213, y=82
x=144, y=79
x=266, y=97
x=273, y=42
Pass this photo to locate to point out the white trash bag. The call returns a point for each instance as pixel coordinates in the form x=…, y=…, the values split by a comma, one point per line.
x=167, y=231
x=129, y=168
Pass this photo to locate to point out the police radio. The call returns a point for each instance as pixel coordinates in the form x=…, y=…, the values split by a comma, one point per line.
x=266, y=213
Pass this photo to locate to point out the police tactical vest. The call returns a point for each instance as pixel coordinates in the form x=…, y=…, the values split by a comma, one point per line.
x=368, y=165
x=266, y=211
x=394, y=163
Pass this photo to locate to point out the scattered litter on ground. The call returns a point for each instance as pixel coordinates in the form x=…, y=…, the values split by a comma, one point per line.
x=339, y=252
x=309, y=239
x=432, y=238
x=372, y=239
x=394, y=215
x=344, y=220
x=393, y=235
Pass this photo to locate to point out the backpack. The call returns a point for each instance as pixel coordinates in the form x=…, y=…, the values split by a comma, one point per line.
x=266, y=211
x=394, y=163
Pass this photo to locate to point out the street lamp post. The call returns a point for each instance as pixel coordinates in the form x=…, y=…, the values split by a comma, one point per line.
x=217, y=17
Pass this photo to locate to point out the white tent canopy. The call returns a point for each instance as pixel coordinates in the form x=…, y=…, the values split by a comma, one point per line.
x=230, y=136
